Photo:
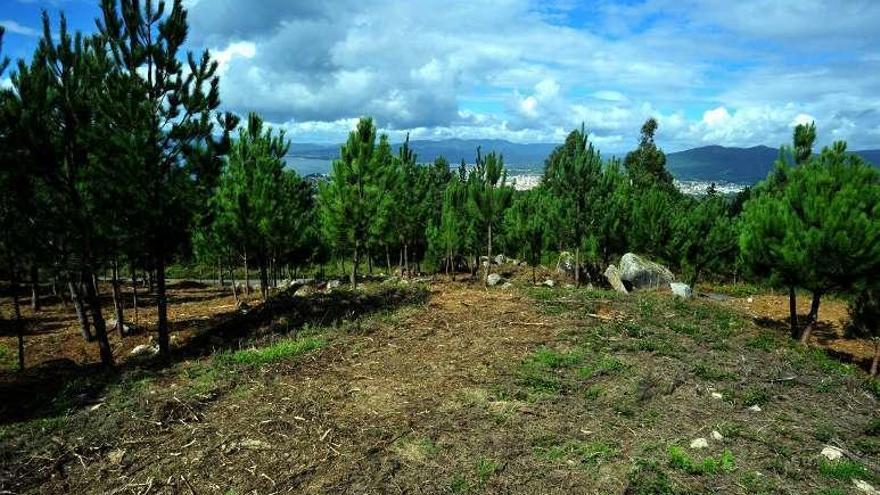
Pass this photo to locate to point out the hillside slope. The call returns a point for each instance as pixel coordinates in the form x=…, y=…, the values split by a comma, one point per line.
x=532, y=390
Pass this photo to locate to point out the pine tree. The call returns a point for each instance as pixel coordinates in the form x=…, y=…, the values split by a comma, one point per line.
x=250, y=206
x=573, y=173
x=821, y=231
x=526, y=225
x=705, y=238
x=647, y=164
x=357, y=190
x=489, y=195
x=169, y=112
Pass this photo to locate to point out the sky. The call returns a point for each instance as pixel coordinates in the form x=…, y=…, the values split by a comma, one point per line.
x=711, y=72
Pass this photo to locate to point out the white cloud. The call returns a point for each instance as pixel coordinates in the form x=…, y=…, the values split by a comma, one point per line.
x=711, y=72
x=14, y=27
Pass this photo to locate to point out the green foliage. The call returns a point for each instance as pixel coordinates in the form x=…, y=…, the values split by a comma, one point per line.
x=283, y=350
x=679, y=459
x=359, y=189
x=489, y=195
x=528, y=225
x=843, y=469
x=646, y=165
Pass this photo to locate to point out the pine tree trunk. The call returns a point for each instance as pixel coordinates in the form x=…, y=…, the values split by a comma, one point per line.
x=247, y=276
x=264, y=278
x=35, y=288
x=814, y=307
x=811, y=319
x=354, y=265
x=234, y=288
x=406, y=258
x=369, y=263
x=98, y=322
x=81, y=315
x=534, y=275
x=162, y=307
x=117, y=301
x=220, y=274
x=577, y=266
x=151, y=284
x=19, y=324
x=134, y=295
x=489, y=261
x=388, y=259
x=792, y=310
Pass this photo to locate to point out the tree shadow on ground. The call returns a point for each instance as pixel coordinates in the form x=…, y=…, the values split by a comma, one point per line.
x=55, y=387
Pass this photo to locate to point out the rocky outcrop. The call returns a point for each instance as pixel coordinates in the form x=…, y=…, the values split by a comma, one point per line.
x=637, y=273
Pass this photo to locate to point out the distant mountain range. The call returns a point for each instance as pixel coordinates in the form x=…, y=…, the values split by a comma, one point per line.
x=706, y=163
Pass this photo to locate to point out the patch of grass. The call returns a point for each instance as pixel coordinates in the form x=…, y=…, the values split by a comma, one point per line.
x=709, y=372
x=873, y=427
x=282, y=350
x=646, y=478
x=553, y=359
x=585, y=453
x=764, y=342
x=679, y=459
x=593, y=392
x=603, y=365
x=755, y=397
x=843, y=469
x=820, y=359
x=485, y=468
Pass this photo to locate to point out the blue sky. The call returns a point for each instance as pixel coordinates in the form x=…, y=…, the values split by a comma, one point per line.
x=712, y=72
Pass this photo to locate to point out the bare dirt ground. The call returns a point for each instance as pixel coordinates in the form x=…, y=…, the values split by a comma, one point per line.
x=526, y=390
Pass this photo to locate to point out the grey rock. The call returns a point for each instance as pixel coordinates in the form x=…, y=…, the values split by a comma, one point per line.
x=507, y=286
x=682, y=290
x=548, y=283
x=566, y=264
x=499, y=259
x=640, y=273
x=494, y=279
x=612, y=274
x=144, y=350
x=333, y=284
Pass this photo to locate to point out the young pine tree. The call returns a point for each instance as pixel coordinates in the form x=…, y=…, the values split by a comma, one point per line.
x=357, y=191
x=489, y=195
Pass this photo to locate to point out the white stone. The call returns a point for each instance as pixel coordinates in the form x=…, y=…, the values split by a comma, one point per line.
x=549, y=283
x=865, y=487
x=494, y=279
x=717, y=395
x=144, y=350
x=333, y=284
x=717, y=436
x=750, y=300
x=699, y=443
x=507, y=286
x=832, y=453
x=681, y=290
x=755, y=408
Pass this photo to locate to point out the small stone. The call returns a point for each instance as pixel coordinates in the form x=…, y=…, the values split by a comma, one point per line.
x=117, y=457
x=549, y=283
x=144, y=350
x=254, y=444
x=717, y=436
x=681, y=290
x=750, y=300
x=717, y=395
x=507, y=286
x=699, y=443
x=333, y=284
x=494, y=279
x=865, y=487
x=755, y=408
x=832, y=453
x=95, y=407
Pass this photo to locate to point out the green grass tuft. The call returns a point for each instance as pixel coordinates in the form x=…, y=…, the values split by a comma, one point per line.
x=280, y=351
